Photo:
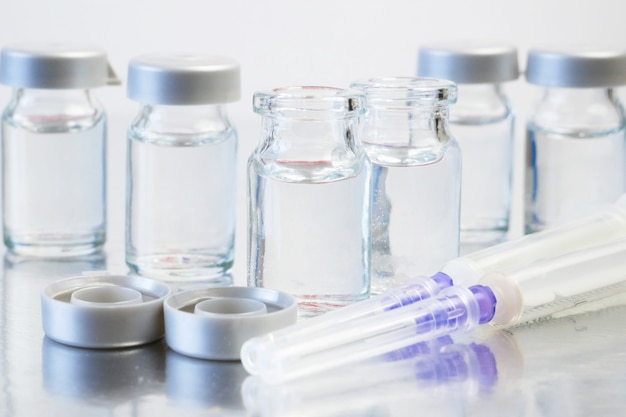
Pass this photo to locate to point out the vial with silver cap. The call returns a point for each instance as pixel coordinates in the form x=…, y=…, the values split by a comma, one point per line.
x=180, y=205
x=416, y=177
x=482, y=121
x=54, y=139
x=576, y=134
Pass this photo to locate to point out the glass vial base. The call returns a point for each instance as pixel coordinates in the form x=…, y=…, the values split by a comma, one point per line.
x=53, y=245
x=181, y=267
x=312, y=306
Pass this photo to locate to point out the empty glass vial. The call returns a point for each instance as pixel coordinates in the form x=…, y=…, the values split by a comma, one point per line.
x=308, y=198
x=53, y=147
x=482, y=122
x=181, y=174
x=416, y=177
x=576, y=138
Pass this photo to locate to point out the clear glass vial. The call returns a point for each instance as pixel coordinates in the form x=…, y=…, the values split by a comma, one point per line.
x=181, y=174
x=416, y=177
x=308, y=198
x=575, y=135
x=482, y=121
x=53, y=147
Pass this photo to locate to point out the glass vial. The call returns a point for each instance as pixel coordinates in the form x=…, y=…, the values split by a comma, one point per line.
x=53, y=147
x=181, y=173
x=416, y=177
x=482, y=121
x=308, y=198
x=575, y=136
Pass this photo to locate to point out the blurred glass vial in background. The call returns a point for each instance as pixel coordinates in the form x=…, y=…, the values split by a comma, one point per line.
x=53, y=143
x=575, y=135
x=181, y=174
x=482, y=121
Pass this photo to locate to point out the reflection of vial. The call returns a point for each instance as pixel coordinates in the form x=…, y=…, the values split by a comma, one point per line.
x=54, y=150
x=576, y=137
x=180, y=207
x=482, y=122
x=308, y=198
x=416, y=177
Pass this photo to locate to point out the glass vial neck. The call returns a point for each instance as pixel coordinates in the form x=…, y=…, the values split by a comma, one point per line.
x=181, y=124
x=479, y=104
x=309, y=133
x=578, y=111
x=407, y=119
x=51, y=110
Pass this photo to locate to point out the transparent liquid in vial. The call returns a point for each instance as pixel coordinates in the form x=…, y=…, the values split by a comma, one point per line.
x=310, y=239
x=54, y=190
x=486, y=179
x=415, y=223
x=569, y=177
x=182, y=208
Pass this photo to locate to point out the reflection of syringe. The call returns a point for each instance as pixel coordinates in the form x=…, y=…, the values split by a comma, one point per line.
x=602, y=227
x=439, y=363
x=540, y=288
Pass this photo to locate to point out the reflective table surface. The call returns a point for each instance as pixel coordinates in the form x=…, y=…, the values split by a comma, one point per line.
x=573, y=364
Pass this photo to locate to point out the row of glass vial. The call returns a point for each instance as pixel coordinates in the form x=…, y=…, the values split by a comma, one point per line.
x=574, y=160
x=181, y=165
x=182, y=151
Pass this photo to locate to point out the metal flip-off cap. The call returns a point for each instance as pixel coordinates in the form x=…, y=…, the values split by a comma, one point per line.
x=469, y=62
x=213, y=323
x=576, y=67
x=104, y=311
x=55, y=66
x=180, y=79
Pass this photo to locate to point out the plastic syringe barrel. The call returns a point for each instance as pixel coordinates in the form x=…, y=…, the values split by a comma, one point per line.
x=453, y=310
x=297, y=337
x=604, y=226
x=551, y=285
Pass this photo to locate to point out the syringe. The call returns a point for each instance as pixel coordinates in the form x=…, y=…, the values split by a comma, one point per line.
x=454, y=310
x=604, y=226
x=539, y=289
x=552, y=285
x=297, y=336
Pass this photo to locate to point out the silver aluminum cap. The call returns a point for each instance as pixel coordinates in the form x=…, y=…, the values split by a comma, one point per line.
x=53, y=66
x=213, y=323
x=104, y=311
x=183, y=79
x=469, y=63
x=580, y=67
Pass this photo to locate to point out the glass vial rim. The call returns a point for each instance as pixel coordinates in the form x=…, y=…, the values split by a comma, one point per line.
x=407, y=92
x=309, y=100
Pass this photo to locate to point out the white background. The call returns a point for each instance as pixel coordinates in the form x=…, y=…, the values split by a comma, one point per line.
x=280, y=42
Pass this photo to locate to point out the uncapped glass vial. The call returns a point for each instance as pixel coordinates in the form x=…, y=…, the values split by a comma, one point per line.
x=181, y=175
x=308, y=198
x=416, y=177
x=482, y=122
x=53, y=150
x=576, y=139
